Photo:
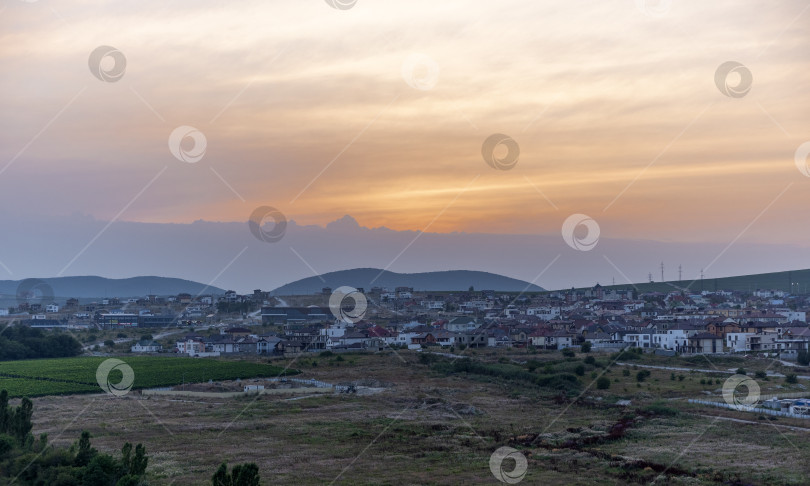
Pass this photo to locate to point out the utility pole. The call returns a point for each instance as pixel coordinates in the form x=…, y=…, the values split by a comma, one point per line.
x=701, y=280
x=680, y=273
x=662, y=272
x=650, y=277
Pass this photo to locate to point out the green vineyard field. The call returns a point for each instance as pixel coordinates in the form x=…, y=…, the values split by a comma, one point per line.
x=78, y=375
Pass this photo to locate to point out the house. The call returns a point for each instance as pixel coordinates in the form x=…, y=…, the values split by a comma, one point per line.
x=237, y=332
x=676, y=337
x=194, y=346
x=471, y=339
x=116, y=320
x=51, y=308
x=290, y=315
x=146, y=346
x=639, y=340
x=461, y=324
x=290, y=348
x=764, y=341
x=538, y=337
x=228, y=344
x=559, y=340
x=704, y=343
x=388, y=336
x=311, y=337
x=794, y=341
x=738, y=342
x=424, y=338
x=721, y=328
x=267, y=344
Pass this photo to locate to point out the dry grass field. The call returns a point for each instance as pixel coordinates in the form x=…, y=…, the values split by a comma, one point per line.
x=421, y=426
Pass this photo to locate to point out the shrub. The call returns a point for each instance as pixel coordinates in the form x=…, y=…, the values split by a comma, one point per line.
x=681, y=377
x=803, y=358
x=568, y=352
x=586, y=347
x=625, y=372
x=642, y=375
x=761, y=375
x=791, y=378
x=579, y=370
x=672, y=376
x=741, y=371
x=590, y=360
x=626, y=356
x=603, y=383
x=661, y=408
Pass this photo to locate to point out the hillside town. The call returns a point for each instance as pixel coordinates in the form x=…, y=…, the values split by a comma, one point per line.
x=769, y=322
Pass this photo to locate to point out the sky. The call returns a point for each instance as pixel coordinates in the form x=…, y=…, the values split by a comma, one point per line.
x=380, y=110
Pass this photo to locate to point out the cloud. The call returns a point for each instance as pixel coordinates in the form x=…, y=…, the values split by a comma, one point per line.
x=296, y=94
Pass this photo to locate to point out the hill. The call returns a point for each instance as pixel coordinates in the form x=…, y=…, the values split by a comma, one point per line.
x=794, y=281
x=451, y=280
x=94, y=287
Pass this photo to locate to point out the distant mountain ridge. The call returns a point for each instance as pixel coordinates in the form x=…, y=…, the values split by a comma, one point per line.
x=97, y=287
x=449, y=280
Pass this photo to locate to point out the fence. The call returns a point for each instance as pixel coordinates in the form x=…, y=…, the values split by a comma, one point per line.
x=313, y=382
x=744, y=408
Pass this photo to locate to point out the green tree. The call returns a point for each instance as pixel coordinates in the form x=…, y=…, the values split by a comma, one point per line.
x=603, y=383
x=586, y=347
x=4, y=412
x=85, y=452
x=242, y=475
x=245, y=475
x=221, y=476
x=138, y=466
x=20, y=421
